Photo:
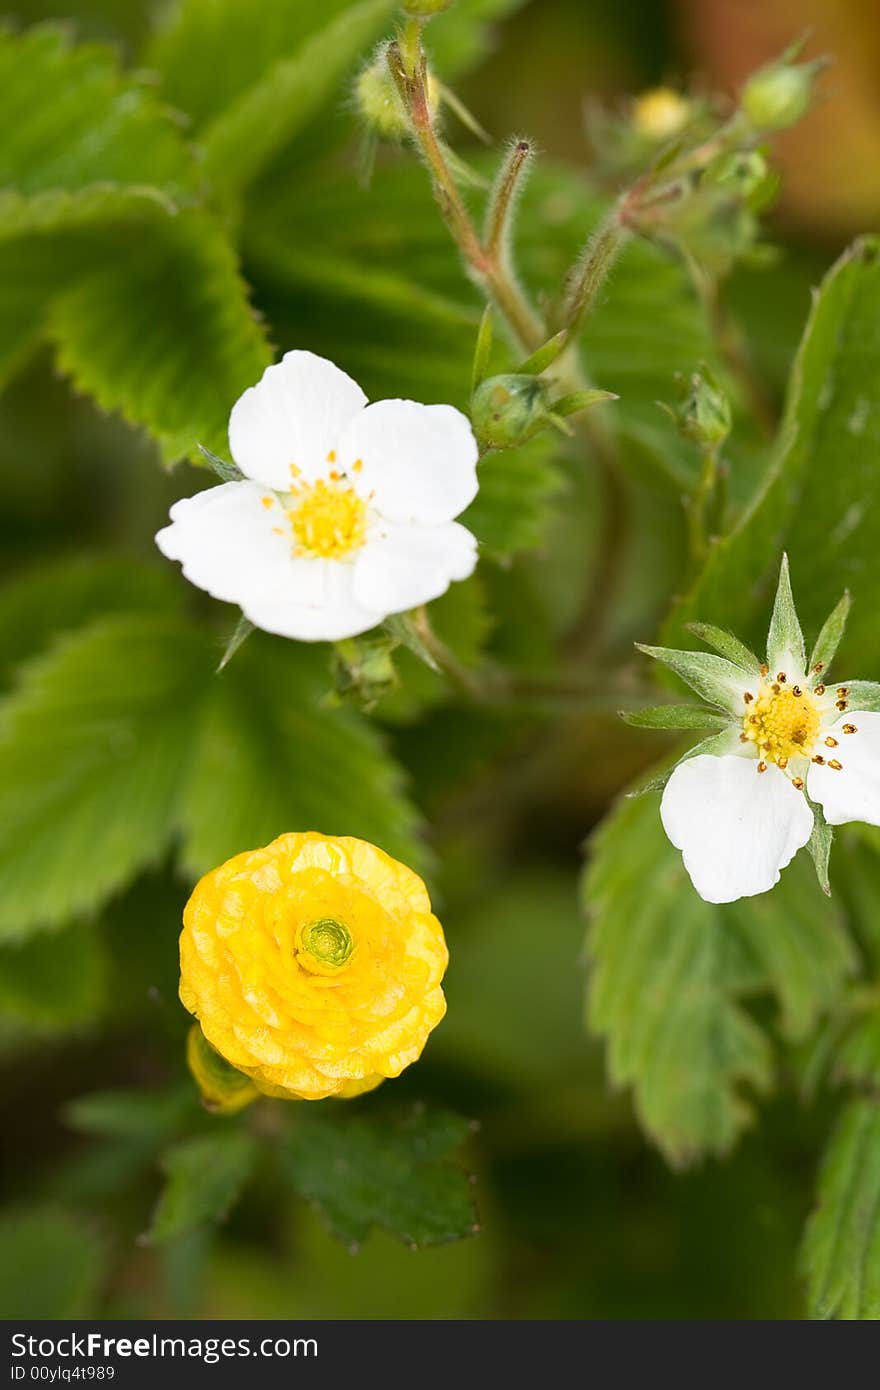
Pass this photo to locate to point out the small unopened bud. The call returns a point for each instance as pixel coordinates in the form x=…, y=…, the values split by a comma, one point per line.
x=507, y=410
x=224, y=1088
x=702, y=412
x=741, y=172
x=660, y=113
x=424, y=9
x=779, y=95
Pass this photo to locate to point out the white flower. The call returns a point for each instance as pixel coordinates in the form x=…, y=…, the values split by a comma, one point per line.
x=797, y=755
x=344, y=513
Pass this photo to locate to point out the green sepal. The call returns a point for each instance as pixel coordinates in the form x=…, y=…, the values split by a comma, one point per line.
x=227, y=471
x=714, y=678
x=832, y=631
x=674, y=717
x=728, y=645
x=482, y=350
x=243, y=629
x=582, y=400
x=819, y=845
x=785, y=638
x=545, y=355
x=716, y=745
x=864, y=695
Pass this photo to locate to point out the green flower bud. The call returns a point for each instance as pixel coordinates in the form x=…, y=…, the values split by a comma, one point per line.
x=702, y=413
x=424, y=9
x=741, y=172
x=224, y=1088
x=507, y=410
x=363, y=669
x=779, y=95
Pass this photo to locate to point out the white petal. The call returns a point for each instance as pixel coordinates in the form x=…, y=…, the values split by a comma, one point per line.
x=293, y=416
x=227, y=542
x=408, y=565
x=419, y=462
x=736, y=827
x=318, y=606
x=853, y=793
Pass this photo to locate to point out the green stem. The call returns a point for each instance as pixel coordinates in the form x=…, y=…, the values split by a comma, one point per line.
x=503, y=200
x=490, y=270
x=589, y=274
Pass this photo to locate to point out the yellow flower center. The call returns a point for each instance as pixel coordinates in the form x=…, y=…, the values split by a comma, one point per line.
x=324, y=945
x=328, y=520
x=660, y=113
x=783, y=722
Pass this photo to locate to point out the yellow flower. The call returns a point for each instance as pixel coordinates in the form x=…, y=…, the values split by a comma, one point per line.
x=313, y=965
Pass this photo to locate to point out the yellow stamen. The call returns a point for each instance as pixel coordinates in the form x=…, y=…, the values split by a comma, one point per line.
x=783, y=723
x=328, y=520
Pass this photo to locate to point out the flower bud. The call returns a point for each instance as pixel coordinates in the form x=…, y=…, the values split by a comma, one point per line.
x=740, y=172
x=660, y=113
x=224, y=1088
x=778, y=95
x=363, y=669
x=507, y=410
x=702, y=413
x=379, y=102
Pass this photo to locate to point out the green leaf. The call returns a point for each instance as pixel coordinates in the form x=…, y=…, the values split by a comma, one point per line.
x=675, y=717
x=728, y=645
x=205, y=1177
x=245, y=136
x=821, y=498
x=513, y=507
x=54, y=983
x=166, y=338
x=800, y=950
x=666, y=969
x=717, y=680
x=132, y=1115
x=51, y=1264
x=70, y=119
x=785, y=641
x=58, y=595
x=830, y=637
x=93, y=745
x=362, y=1173
x=841, y=1250
x=284, y=761
x=857, y=1059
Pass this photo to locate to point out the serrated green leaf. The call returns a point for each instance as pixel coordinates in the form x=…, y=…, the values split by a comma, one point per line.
x=62, y=594
x=167, y=338
x=841, y=1250
x=713, y=677
x=284, y=761
x=675, y=717
x=245, y=136
x=70, y=118
x=830, y=636
x=204, y=1179
x=728, y=645
x=785, y=641
x=93, y=745
x=513, y=507
x=821, y=498
x=51, y=1264
x=362, y=1173
x=54, y=983
x=857, y=1056
x=665, y=971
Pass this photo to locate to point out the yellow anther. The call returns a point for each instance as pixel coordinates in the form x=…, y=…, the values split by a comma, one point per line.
x=328, y=520
x=782, y=723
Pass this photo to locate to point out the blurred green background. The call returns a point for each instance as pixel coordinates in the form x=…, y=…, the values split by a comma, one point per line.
x=580, y=1217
